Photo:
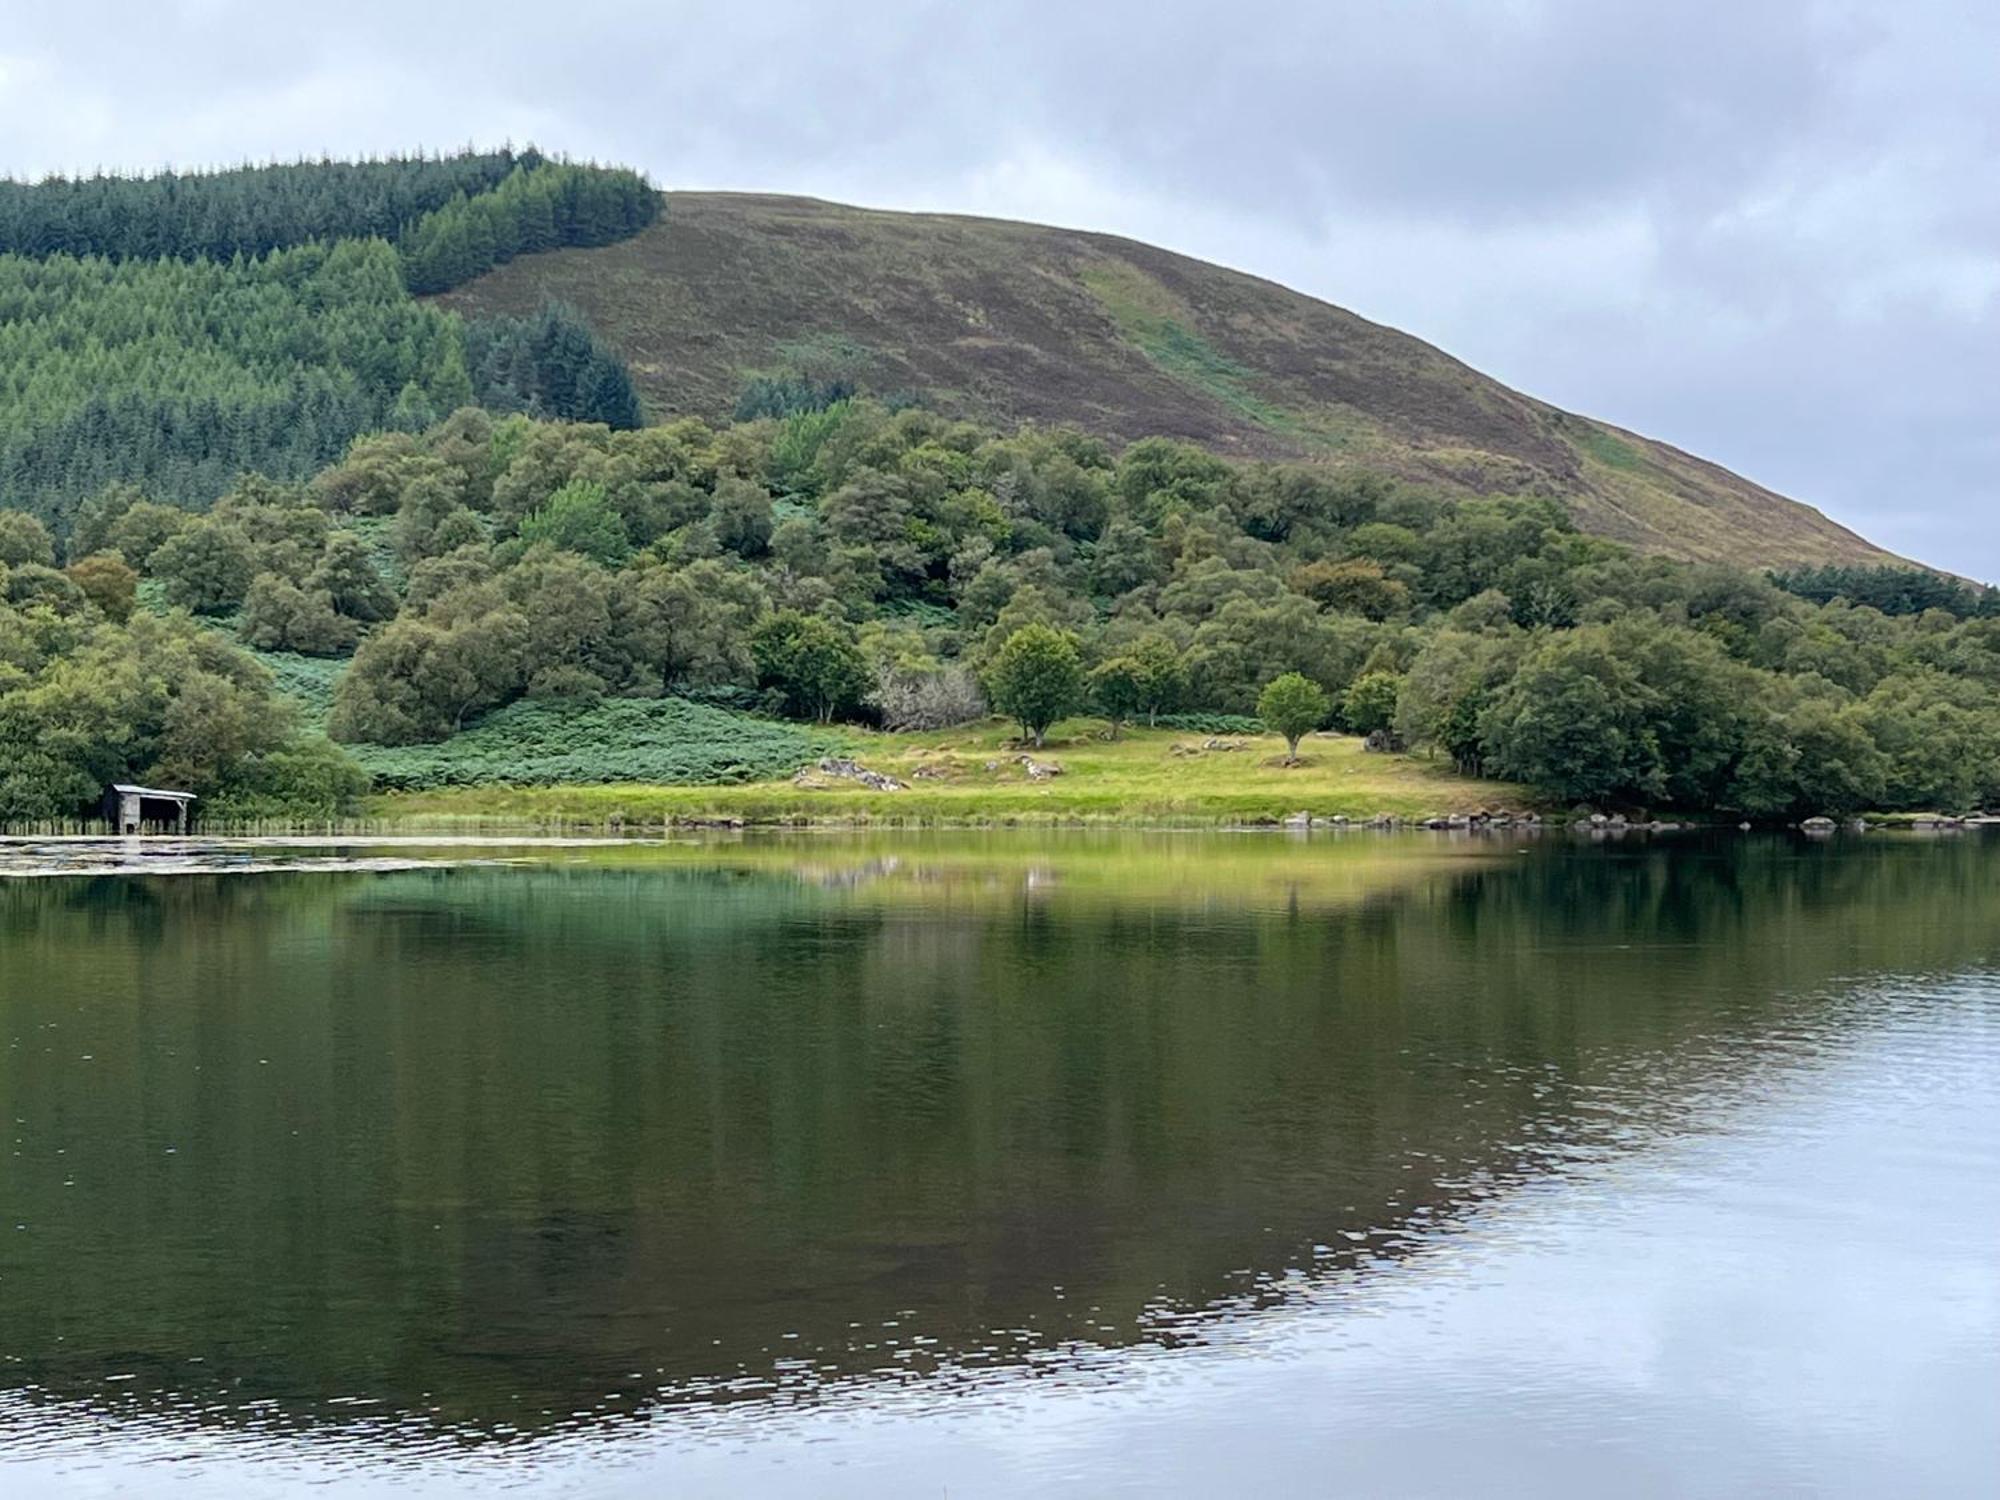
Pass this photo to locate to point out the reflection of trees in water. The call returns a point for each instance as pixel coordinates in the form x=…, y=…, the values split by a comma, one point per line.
x=514, y=1139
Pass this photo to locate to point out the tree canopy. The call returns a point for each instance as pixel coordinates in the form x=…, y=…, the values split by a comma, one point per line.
x=851, y=560
x=1036, y=677
x=1293, y=705
x=177, y=330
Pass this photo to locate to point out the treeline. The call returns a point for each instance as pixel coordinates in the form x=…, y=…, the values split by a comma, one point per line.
x=1892, y=590
x=550, y=365
x=541, y=207
x=451, y=217
x=178, y=330
x=917, y=572
x=245, y=211
x=852, y=562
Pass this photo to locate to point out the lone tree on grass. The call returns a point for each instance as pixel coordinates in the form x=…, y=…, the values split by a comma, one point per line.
x=1036, y=678
x=1294, y=705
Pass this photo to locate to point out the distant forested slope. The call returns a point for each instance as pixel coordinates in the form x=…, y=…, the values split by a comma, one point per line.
x=452, y=217
x=176, y=330
x=242, y=211
x=181, y=374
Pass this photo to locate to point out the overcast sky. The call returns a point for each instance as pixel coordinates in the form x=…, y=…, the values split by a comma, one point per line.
x=1765, y=230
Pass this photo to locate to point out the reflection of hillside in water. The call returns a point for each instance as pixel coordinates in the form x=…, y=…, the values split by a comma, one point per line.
x=506, y=1151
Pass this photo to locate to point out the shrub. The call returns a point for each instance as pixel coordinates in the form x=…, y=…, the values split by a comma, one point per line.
x=23, y=539
x=1370, y=702
x=1211, y=723
x=916, y=698
x=816, y=665
x=206, y=566
x=580, y=518
x=107, y=583
x=312, y=781
x=662, y=741
x=278, y=615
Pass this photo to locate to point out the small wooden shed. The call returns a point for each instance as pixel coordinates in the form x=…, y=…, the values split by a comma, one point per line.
x=130, y=809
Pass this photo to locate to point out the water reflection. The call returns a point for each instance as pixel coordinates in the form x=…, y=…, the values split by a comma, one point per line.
x=486, y=1155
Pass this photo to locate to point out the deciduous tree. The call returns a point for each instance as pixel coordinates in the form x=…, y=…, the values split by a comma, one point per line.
x=1036, y=678
x=1294, y=706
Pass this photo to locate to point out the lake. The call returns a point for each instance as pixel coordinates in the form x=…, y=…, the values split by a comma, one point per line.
x=1003, y=1164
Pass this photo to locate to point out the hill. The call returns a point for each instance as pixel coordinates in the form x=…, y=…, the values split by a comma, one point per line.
x=1006, y=323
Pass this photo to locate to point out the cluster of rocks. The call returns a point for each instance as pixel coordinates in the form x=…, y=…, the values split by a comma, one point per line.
x=1494, y=818
x=1037, y=770
x=1601, y=825
x=840, y=768
x=1821, y=827
x=1497, y=817
x=1208, y=747
x=1619, y=823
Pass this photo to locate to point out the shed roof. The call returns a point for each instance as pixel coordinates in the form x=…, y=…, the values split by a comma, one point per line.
x=153, y=791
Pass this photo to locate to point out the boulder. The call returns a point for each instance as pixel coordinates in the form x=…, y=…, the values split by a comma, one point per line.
x=840, y=768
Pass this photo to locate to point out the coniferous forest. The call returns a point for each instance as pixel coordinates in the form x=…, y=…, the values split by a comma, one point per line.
x=175, y=331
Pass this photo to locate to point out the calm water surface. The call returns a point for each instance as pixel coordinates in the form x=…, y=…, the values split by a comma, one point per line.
x=1004, y=1165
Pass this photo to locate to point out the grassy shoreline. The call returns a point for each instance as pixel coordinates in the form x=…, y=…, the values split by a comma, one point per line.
x=976, y=776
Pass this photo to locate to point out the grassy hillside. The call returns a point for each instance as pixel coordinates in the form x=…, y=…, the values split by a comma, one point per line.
x=1006, y=322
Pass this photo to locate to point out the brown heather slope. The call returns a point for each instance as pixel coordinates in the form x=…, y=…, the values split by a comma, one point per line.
x=1008, y=323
